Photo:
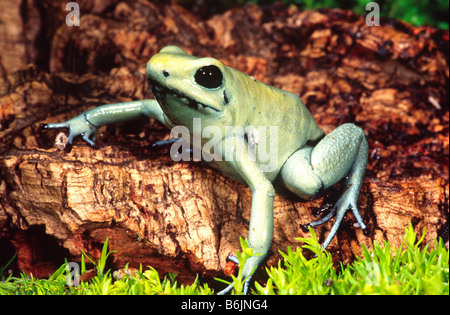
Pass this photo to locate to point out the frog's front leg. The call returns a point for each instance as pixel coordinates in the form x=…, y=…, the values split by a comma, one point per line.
x=87, y=123
x=261, y=217
x=312, y=169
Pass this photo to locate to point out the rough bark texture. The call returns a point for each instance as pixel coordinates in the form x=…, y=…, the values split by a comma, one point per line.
x=392, y=80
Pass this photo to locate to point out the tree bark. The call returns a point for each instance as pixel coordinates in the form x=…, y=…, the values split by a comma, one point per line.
x=391, y=80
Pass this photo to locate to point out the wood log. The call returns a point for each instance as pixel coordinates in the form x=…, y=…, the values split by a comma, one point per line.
x=391, y=80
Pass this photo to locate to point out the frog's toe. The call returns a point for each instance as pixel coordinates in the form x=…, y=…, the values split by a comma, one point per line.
x=89, y=141
x=43, y=126
x=340, y=212
x=233, y=259
x=249, y=268
x=54, y=126
x=323, y=220
x=228, y=289
x=358, y=217
x=231, y=286
x=165, y=142
x=346, y=202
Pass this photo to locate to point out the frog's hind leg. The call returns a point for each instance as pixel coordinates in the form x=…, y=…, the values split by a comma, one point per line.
x=312, y=169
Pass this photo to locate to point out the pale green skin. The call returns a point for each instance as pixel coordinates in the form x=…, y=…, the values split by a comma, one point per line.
x=308, y=161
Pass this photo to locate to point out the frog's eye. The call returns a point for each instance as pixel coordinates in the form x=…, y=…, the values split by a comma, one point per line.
x=209, y=76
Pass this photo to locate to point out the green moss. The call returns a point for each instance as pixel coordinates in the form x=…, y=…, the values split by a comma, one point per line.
x=413, y=268
x=410, y=270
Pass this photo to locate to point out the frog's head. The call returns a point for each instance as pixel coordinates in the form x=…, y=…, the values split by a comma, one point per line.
x=188, y=87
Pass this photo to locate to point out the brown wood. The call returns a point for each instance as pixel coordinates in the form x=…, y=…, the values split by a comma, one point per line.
x=392, y=80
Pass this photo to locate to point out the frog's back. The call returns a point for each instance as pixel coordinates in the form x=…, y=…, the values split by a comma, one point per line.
x=269, y=108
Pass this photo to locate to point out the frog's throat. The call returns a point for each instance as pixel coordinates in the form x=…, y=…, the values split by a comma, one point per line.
x=160, y=92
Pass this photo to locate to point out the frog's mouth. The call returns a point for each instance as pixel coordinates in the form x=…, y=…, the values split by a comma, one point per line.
x=160, y=92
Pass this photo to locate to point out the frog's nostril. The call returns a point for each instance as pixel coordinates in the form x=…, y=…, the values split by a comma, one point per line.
x=165, y=73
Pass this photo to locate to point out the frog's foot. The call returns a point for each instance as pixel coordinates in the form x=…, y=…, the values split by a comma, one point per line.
x=78, y=126
x=340, y=154
x=231, y=286
x=340, y=209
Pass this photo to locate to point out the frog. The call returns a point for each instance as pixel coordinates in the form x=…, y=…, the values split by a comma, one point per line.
x=189, y=89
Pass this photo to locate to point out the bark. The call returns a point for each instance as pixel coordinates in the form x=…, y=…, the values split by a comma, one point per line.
x=391, y=80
